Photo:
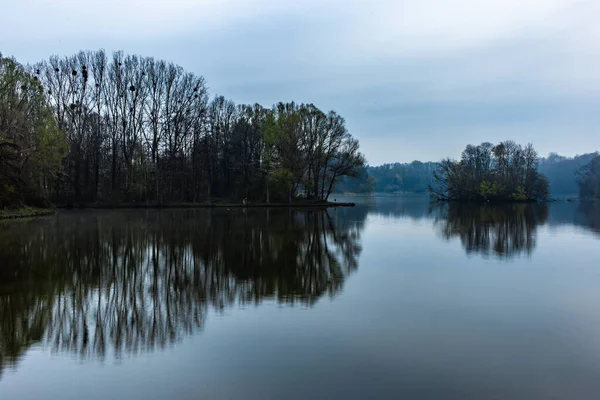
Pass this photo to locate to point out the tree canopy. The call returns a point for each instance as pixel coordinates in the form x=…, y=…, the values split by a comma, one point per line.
x=506, y=171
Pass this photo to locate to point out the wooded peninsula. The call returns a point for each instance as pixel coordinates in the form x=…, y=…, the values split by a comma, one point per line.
x=124, y=129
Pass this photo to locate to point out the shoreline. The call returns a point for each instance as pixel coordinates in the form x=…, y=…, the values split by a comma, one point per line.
x=28, y=212
x=205, y=205
x=31, y=212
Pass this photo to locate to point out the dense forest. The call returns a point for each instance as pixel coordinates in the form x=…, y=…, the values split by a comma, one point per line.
x=588, y=178
x=123, y=128
x=506, y=171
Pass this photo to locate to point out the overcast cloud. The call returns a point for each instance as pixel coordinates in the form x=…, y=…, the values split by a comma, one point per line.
x=414, y=79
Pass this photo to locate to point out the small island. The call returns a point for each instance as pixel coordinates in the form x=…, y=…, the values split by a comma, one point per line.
x=503, y=172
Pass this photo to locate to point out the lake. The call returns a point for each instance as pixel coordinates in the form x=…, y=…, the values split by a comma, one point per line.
x=394, y=298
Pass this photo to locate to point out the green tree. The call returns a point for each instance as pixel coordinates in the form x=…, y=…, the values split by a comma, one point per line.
x=283, y=179
x=31, y=145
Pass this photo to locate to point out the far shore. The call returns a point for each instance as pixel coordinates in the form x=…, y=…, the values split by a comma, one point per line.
x=490, y=201
x=555, y=199
x=511, y=201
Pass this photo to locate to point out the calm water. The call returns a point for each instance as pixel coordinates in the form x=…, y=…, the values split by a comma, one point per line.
x=391, y=299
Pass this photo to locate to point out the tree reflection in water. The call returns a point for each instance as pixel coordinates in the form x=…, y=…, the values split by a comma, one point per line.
x=502, y=230
x=134, y=281
x=588, y=215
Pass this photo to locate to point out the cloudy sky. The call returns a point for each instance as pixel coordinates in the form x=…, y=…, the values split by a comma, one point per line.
x=415, y=79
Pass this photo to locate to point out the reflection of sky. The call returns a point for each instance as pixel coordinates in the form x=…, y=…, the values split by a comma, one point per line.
x=415, y=80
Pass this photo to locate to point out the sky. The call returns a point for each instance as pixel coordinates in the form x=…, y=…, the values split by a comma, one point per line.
x=413, y=79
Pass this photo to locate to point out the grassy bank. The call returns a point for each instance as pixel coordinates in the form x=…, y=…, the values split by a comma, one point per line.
x=26, y=212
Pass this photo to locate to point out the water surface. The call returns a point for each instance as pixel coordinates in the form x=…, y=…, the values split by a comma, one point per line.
x=394, y=298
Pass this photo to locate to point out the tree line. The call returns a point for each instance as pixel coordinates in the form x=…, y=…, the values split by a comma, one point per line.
x=139, y=129
x=414, y=177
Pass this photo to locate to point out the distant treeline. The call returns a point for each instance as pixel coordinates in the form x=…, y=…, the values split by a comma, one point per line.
x=414, y=177
x=123, y=128
x=588, y=178
x=566, y=176
x=562, y=171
